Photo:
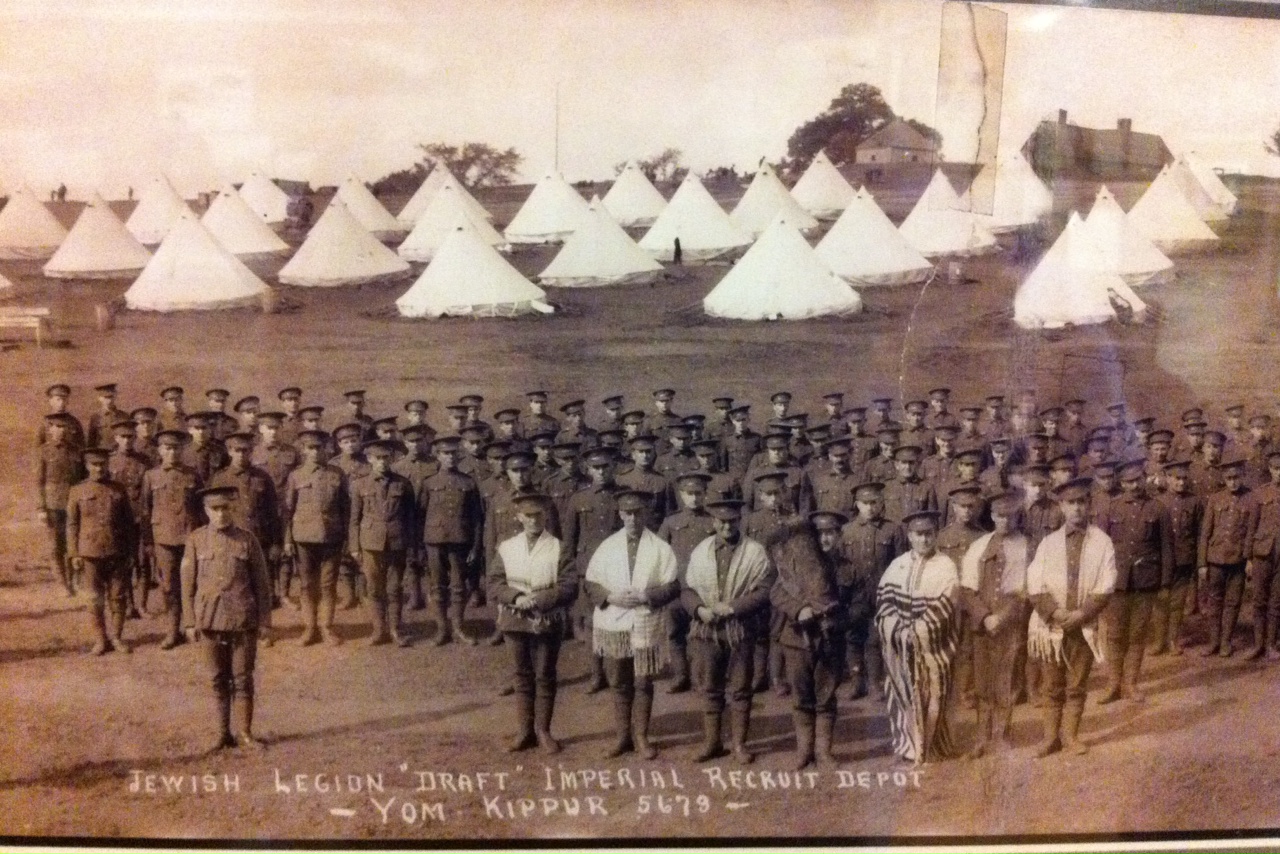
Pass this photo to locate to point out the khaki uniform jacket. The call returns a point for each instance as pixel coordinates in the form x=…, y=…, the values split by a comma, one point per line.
x=257, y=507
x=58, y=467
x=316, y=505
x=383, y=510
x=1142, y=533
x=225, y=585
x=169, y=504
x=1226, y=536
x=449, y=502
x=100, y=521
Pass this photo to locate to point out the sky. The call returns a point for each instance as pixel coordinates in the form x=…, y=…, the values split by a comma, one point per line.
x=103, y=94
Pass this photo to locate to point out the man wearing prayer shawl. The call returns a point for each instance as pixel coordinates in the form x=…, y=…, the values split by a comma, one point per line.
x=533, y=580
x=726, y=593
x=813, y=630
x=1069, y=582
x=993, y=581
x=918, y=619
x=630, y=576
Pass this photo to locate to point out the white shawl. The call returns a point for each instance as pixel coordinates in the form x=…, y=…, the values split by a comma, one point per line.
x=626, y=632
x=748, y=566
x=1048, y=574
x=531, y=570
x=1015, y=564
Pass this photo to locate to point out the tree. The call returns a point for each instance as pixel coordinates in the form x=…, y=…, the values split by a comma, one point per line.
x=853, y=115
x=662, y=167
x=1273, y=145
x=476, y=164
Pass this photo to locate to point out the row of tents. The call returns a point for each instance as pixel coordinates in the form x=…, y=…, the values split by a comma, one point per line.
x=780, y=276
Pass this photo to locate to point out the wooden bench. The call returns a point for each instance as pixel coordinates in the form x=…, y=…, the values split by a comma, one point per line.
x=26, y=317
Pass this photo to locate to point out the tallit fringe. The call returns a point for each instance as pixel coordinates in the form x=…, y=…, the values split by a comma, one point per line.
x=732, y=631
x=538, y=620
x=611, y=644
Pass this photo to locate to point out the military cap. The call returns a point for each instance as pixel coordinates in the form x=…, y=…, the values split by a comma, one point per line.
x=173, y=438
x=241, y=441
x=471, y=401
x=679, y=431
x=818, y=433
x=517, y=460
x=417, y=406
x=722, y=402
x=62, y=418
x=664, y=394
x=1105, y=468
x=693, y=481
x=612, y=438
x=414, y=432
x=1053, y=413
x=995, y=400
x=797, y=422
x=740, y=413
x=58, y=390
x=1194, y=427
x=1097, y=442
x=474, y=431
x=1231, y=464
x=694, y=420
x=1036, y=474
x=946, y=431
x=1195, y=413
x=778, y=425
x=940, y=393
x=95, y=455
x=1063, y=462
x=199, y=419
x=635, y=416
x=245, y=403
x=856, y=413
x=931, y=517
x=705, y=447
x=1234, y=409
x=971, y=413
x=881, y=402
x=838, y=446
x=613, y=401
x=497, y=450
x=356, y=395
x=969, y=457
x=632, y=500
x=1074, y=489
x=827, y=520
x=456, y=408
x=1260, y=421
x=1001, y=442
x=869, y=491
x=890, y=429
x=836, y=397
x=542, y=438
x=217, y=394
x=1075, y=404
x=1175, y=466
x=777, y=440
x=916, y=406
x=290, y=393
x=215, y=496
x=1160, y=437
x=124, y=428
x=1026, y=395
x=530, y=502
x=599, y=456
x=311, y=412
x=347, y=431
x=565, y=450
x=143, y=414
x=780, y=397
x=725, y=510
x=1133, y=470
x=1005, y=504
x=965, y=495
x=506, y=416
x=1214, y=437
x=313, y=438
x=908, y=453
x=1119, y=406
x=446, y=443
x=770, y=480
x=1038, y=440
x=171, y=392
x=276, y=418
x=540, y=396
x=1147, y=422
x=105, y=388
x=574, y=407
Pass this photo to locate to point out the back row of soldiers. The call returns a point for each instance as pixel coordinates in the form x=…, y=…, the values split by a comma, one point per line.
x=394, y=498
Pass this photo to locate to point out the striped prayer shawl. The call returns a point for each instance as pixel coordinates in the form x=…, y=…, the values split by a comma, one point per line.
x=918, y=618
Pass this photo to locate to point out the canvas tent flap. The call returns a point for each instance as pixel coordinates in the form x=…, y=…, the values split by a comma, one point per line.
x=192, y=271
x=339, y=251
x=240, y=231
x=97, y=247
x=468, y=278
x=599, y=253
x=364, y=206
x=446, y=212
x=765, y=198
x=864, y=248
x=704, y=229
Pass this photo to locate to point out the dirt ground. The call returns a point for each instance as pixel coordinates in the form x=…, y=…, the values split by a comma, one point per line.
x=361, y=739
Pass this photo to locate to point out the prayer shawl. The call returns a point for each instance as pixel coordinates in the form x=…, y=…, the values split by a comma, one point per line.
x=749, y=568
x=918, y=618
x=631, y=632
x=1048, y=574
x=531, y=570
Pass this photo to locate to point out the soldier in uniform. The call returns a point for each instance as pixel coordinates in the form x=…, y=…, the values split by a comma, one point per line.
x=722, y=486
x=387, y=430
x=99, y=427
x=1142, y=534
x=882, y=407
x=457, y=415
x=591, y=515
x=356, y=414
x=679, y=459
x=544, y=464
x=1142, y=430
x=662, y=418
x=969, y=435
x=472, y=402
x=996, y=426
x=144, y=442
x=1106, y=488
x=683, y=530
x=1159, y=446
x=247, y=409
x=290, y=423
x=315, y=516
x=277, y=457
x=726, y=586
x=56, y=396
x=256, y=506
x=380, y=536
x=1235, y=431
x=1190, y=445
x=939, y=415
x=908, y=493
x=995, y=478
x=781, y=403
x=500, y=522
x=537, y=419
x=567, y=478
x=741, y=444
x=222, y=425
x=1062, y=468
x=612, y=418
x=882, y=468
x=1266, y=533
x=939, y=467
x=798, y=490
x=1073, y=428
x=310, y=418
x=572, y=428
x=833, y=416
x=1097, y=450
x=632, y=425
x=202, y=454
x=1186, y=513
x=1124, y=439
x=870, y=543
x=1050, y=424
x=1230, y=518
x=129, y=469
x=914, y=430
x=1259, y=445
x=1206, y=473
x=415, y=415
x=101, y=540
x=174, y=414
x=171, y=509
x=453, y=526
x=353, y=465
x=812, y=637
x=862, y=443
x=508, y=421
x=993, y=581
x=833, y=486
x=226, y=604
x=59, y=467
x=642, y=477
x=964, y=509
x=416, y=466
x=533, y=582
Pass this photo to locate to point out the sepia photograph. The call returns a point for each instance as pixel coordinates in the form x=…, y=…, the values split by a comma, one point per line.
x=717, y=423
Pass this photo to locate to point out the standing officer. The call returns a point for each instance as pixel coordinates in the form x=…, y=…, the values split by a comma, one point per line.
x=174, y=414
x=612, y=418
x=356, y=415
x=642, y=477
x=722, y=485
x=741, y=443
x=833, y=485
x=908, y=493
x=354, y=466
x=144, y=443
x=662, y=419
x=380, y=536
x=290, y=423
x=99, y=427
x=101, y=539
x=719, y=425
x=203, y=454
x=171, y=509
x=1266, y=594
x=871, y=542
x=226, y=604
x=59, y=467
x=221, y=425
x=256, y=505
x=1230, y=517
x=129, y=469
x=277, y=457
x=315, y=515
x=1186, y=513
x=453, y=520
x=416, y=466
x=939, y=415
x=537, y=419
x=56, y=396
x=683, y=530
